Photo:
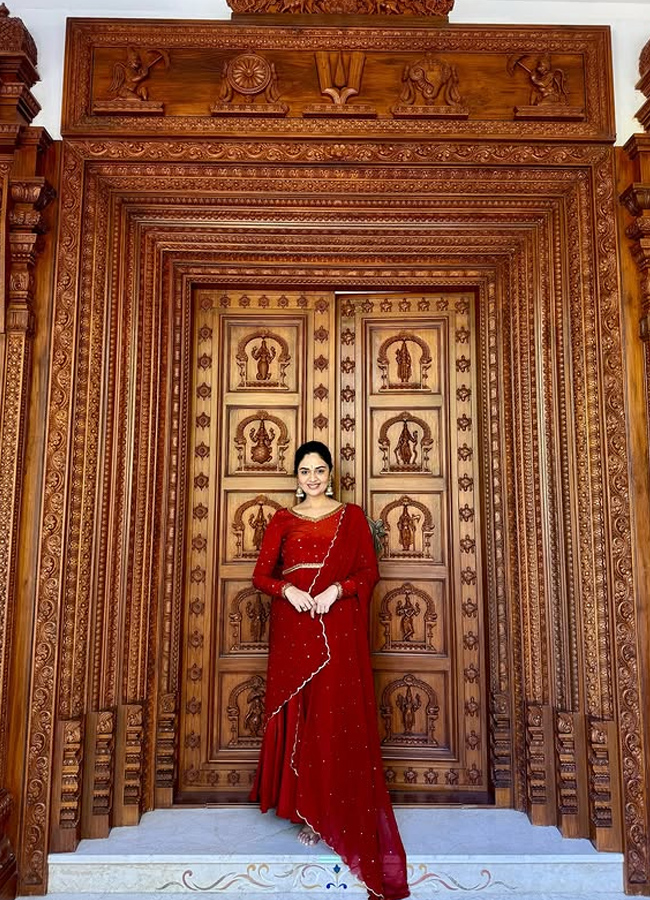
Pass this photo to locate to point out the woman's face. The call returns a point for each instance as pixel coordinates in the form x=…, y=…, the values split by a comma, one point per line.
x=313, y=475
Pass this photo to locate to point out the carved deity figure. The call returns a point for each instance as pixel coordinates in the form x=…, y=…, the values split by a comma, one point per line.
x=255, y=716
x=258, y=523
x=407, y=611
x=264, y=356
x=258, y=613
x=129, y=77
x=408, y=705
x=406, y=527
x=404, y=363
x=262, y=449
x=404, y=452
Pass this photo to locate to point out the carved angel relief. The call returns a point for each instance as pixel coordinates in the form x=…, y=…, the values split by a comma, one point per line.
x=244, y=80
x=262, y=359
x=409, y=708
x=339, y=76
x=549, y=94
x=129, y=93
x=435, y=83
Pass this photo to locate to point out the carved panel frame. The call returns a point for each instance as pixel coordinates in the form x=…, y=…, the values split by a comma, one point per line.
x=115, y=467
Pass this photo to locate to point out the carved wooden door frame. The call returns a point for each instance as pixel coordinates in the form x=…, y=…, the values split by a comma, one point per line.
x=558, y=552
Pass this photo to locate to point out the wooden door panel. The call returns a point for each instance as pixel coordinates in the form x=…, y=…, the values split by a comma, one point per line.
x=407, y=397
x=263, y=384
x=408, y=413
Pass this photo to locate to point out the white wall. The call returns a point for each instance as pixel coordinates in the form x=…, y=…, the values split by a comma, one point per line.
x=629, y=21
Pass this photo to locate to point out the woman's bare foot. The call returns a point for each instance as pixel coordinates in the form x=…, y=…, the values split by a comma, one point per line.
x=308, y=836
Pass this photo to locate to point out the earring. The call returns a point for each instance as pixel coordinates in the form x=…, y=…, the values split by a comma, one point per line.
x=329, y=490
x=300, y=494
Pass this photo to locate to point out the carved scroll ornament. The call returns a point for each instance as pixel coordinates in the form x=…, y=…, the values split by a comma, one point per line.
x=430, y=89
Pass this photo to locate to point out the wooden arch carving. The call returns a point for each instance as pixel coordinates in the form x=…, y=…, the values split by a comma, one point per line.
x=529, y=226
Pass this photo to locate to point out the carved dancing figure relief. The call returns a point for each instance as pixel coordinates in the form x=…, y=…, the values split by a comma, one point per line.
x=258, y=613
x=407, y=611
x=408, y=616
x=129, y=77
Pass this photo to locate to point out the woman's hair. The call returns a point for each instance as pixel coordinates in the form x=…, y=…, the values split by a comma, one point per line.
x=312, y=447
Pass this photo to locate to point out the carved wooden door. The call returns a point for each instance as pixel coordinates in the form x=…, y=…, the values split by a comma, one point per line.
x=263, y=383
x=406, y=440
x=410, y=455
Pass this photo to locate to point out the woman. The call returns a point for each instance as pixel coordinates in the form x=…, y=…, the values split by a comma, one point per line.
x=320, y=762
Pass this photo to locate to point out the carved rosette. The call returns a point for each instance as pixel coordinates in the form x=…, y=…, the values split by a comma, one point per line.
x=249, y=76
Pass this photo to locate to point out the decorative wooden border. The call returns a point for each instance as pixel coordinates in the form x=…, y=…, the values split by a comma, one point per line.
x=86, y=37
x=514, y=204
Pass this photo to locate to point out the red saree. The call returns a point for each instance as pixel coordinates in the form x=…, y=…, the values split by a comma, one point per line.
x=320, y=760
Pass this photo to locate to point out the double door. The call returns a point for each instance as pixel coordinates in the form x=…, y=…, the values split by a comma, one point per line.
x=390, y=383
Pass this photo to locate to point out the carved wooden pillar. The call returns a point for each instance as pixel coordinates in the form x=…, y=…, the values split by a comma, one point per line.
x=24, y=196
x=636, y=281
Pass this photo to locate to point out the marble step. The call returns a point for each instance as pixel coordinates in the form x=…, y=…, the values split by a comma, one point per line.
x=174, y=852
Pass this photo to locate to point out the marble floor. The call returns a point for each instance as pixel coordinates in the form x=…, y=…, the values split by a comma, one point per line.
x=176, y=852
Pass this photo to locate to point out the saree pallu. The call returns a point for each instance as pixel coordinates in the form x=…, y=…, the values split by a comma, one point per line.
x=320, y=761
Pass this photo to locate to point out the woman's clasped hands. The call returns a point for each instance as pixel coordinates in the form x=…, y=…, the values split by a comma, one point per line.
x=317, y=605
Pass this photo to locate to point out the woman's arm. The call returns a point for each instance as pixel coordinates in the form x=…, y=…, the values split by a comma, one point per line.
x=266, y=567
x=267, y=562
